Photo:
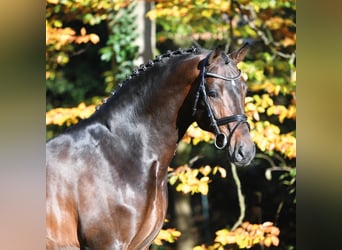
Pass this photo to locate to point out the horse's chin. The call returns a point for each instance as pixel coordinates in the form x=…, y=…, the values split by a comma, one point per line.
x=242, y=163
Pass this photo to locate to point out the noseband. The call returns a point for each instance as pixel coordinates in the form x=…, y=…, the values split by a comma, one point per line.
x=220, y=138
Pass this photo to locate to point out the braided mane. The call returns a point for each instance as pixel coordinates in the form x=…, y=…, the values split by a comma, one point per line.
x=159, y=58
x=150, y=63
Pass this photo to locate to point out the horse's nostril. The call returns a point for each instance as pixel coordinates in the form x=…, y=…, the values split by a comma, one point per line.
x=241, y=151
x=240, y=154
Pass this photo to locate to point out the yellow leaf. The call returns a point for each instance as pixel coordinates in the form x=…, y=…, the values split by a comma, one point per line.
x=173, y=179
x=205, y=170
x=53, y=1
x=199, y=248
x=268, y=241
x=203, y=188
x=248, y=99
x=184, y=188
x=94, y=38
x=196, y=140
x=83, y=31
x=275, y=231
x=194, y=172
x=222, y=171
x=287, y=41
x=270, y=110
x=206, y=13
x=275, y=240
x=169, y=235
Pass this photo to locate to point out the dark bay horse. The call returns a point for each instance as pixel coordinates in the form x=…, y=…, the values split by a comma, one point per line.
x=107, y=176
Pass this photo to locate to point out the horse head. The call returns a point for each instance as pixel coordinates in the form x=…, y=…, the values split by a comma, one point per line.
x=219, y=104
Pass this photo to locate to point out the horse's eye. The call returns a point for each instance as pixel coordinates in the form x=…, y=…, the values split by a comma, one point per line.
x=213, y=93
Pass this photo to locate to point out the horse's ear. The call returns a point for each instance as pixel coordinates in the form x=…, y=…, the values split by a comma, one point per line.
x=215, y=54
x=239, y=55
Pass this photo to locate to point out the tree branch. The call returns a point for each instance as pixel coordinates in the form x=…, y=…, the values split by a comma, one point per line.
x=240, y=196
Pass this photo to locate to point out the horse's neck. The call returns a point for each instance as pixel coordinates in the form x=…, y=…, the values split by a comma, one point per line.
x=146, y=113
x=156, y=103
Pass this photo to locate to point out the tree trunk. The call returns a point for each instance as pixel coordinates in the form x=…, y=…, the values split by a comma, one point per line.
x=146, y=31
x=184, y=221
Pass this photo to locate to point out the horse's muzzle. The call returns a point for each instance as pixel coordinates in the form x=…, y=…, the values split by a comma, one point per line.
x=241, y=154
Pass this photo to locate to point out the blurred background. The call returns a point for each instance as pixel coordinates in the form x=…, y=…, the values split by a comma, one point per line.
x=92, y=45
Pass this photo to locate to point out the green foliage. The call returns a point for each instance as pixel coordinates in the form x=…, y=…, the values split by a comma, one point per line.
x=120, y=49
x=88, y=45
x=62, y=38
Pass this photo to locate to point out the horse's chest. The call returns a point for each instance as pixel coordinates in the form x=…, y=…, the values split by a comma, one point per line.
x=156, y=204
x=149, y=216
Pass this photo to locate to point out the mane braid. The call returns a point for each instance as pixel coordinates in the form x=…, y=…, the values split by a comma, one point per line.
x=225, y=58
x=151, y=63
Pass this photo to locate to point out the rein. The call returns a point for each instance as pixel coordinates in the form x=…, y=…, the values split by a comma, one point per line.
x=220, y=138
